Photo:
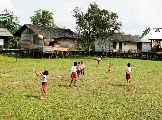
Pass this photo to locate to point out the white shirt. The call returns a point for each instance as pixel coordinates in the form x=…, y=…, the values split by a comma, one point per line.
x=43, y=78
x=73, y=68
x=98, y=58
x=79, y=67
x=128, y=70
x=82, y=66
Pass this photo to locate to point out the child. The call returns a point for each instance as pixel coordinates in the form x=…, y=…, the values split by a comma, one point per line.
x=78, y=69
x=109, y=67
x=73, y=73
x=82, y=68
x=43, y=78
x=99, y=60
x=128, y=73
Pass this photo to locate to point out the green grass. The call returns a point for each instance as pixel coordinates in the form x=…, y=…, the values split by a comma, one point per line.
x=101, y=95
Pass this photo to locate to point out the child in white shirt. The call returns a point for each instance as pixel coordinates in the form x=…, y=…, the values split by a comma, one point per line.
x=43, y=78
x=99, y=60
x=82, y=68
x=78, y=69
x=128, y=73
x=73, y=74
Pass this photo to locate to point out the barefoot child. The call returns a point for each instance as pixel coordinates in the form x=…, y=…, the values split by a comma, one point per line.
x=82, y=68
x=43, y=78
x=128, y=73
x=73, y=73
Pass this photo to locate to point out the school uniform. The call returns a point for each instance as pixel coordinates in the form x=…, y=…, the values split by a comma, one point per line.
x=43, y=79
x=82, y=69
x=73, y=72
x=128, y=72
x=99, y=60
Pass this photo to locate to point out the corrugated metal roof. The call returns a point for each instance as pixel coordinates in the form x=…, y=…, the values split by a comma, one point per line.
x=5, y=33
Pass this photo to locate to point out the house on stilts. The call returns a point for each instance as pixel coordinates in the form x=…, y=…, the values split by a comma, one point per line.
x=41, y=40
x=5, y=36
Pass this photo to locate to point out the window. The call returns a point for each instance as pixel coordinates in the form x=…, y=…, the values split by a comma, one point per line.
x=1, y=42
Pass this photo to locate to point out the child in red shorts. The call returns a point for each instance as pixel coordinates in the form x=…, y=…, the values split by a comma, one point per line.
x=98, y=60
x=43, y=78
x=73, y=73
x=128, y=74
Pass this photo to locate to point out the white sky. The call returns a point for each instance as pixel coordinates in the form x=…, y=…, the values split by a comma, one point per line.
x=135, y=15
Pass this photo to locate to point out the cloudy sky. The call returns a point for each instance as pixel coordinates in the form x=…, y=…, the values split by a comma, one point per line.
x=135, y=15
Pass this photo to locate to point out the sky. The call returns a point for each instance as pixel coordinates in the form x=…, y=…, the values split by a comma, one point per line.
x=135, y=15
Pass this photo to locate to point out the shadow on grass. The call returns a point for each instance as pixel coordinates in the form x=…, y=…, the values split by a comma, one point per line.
x=67, y=86
x=33, y=96
x=129, y=89
x=119, y=85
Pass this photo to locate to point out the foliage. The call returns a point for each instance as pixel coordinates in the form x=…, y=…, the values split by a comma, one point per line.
x=146, y=31
x=10, y=21
x=99, y=95
x=14, y=43
x=96, y=24
x=43, y=17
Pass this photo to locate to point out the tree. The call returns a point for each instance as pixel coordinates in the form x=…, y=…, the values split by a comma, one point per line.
x=96, y=24
x=43, y=17
x=146, y=31
x=10, y=21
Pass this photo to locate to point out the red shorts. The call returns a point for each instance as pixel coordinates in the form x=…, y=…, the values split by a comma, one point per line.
x=99, y=61
x=73, y=75
x=44, y=85
x=128, y=76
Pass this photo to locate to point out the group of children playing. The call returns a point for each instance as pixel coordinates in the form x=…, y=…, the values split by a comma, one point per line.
x=76, y=70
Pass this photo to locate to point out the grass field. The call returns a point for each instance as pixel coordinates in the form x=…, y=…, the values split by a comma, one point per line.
x=99, y=95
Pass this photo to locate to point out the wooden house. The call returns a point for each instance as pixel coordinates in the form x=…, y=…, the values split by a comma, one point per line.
x=120, y=43
x=46, y=39
x=5, y=35
x=125, y=43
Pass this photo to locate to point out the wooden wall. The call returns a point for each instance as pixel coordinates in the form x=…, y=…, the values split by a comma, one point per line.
x=30, y=41
x=63, y=44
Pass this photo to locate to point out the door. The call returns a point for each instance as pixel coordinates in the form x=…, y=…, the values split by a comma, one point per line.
x=120, y=45
x=139, y=46
x=114, y=45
